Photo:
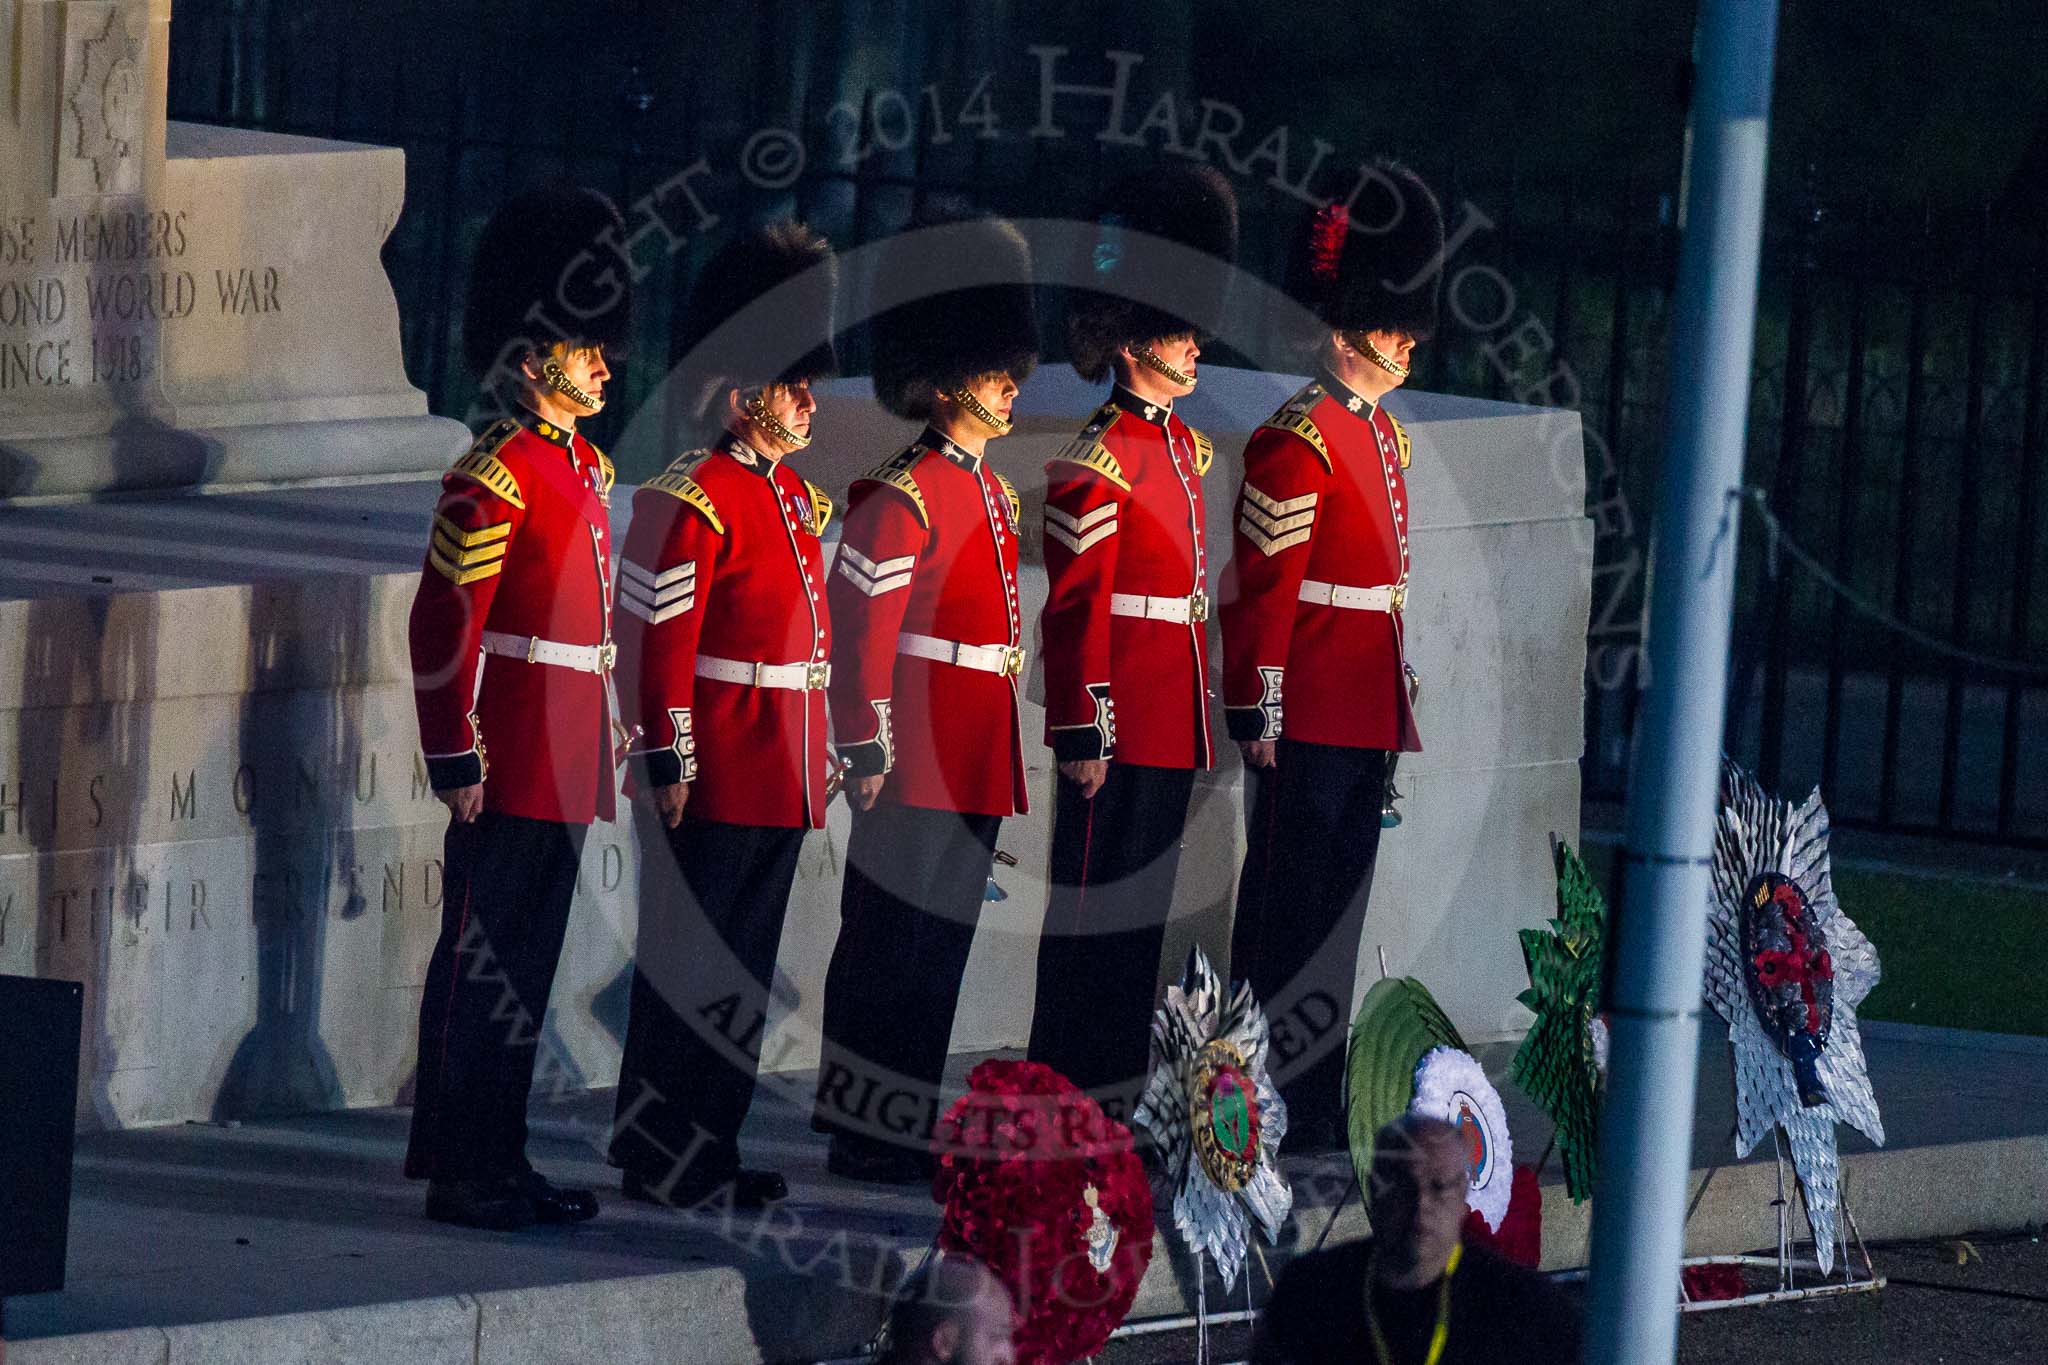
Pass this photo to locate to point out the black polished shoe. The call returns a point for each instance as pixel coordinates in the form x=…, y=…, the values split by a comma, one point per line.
x=875, y=1164
x=490, y=1204
x=554, y=1204
x=748, y=1189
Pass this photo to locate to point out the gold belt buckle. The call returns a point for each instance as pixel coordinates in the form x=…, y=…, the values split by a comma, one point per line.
x=607, y=655
x=1013, y=661
x=532, y=647
x=1399, y=595
x=1198, y=607
x=816, y=676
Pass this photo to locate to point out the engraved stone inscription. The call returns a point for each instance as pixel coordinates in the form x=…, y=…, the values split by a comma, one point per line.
x=88, y=298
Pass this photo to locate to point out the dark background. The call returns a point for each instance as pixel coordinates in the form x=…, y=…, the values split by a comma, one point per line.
x=1898, y=411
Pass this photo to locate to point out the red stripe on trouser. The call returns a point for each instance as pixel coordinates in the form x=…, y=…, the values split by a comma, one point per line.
x=1265, y=879
x=1087, y=850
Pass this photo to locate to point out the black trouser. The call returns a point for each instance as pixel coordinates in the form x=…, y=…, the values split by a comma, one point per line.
x=1313, y=830
x=504, y=910
x=712, y=901
x=1113, y=865
x=915, y=884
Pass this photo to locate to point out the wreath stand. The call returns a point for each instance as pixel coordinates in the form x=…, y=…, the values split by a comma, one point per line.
x=1845, y=1279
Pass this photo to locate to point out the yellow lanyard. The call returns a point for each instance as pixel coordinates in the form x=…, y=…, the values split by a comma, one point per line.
x=1381, y=1351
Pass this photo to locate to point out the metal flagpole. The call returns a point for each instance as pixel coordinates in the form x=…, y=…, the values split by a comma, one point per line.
x=1653, y=991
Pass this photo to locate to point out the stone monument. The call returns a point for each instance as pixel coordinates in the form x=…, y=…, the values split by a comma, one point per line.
x=182, y=306
x=190, y=310
x=213, y=813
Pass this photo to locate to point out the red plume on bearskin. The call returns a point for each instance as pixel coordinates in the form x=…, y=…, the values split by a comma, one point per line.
x=1375, y=262
x=1326, y=242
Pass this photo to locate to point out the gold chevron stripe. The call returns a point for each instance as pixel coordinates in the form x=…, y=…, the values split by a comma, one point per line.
x=467, y=559
x=459, y=575
x=483, y=535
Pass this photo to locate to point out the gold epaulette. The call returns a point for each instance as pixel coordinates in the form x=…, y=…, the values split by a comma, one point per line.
x=482, y=465
x=1087, y=450
x=1293, y=417
x=895, y=472
x=1205, y=451
x=677, y=483
x=463, y=556
x=1010, y=495
x=1401, y=440
x=821, y=508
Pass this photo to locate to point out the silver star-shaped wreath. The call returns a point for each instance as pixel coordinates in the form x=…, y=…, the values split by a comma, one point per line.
x=1786, y=969
x=1215, y=1116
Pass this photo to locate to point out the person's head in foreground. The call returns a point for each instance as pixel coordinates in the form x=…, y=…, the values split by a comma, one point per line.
x=952, y=1311
x=1420, y=1170
x=1412, y=1291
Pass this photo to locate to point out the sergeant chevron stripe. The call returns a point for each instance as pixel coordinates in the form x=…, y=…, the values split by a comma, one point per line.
x=463, y=556
x=1274, y=524
x=655, y=597
x=1084, y=532
x=872, y=578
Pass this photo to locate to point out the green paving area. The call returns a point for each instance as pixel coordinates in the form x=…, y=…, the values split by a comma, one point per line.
x=1955, y=953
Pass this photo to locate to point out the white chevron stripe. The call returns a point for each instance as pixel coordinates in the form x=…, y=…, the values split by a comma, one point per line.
x=849, y=555
x=686, y=569
x=1270, y=545
x=1082, y=544
x=1277, y=508
x=662, y=603
x=641, y=593
x=653, y=615
x=874, y=587
x=1080, y=524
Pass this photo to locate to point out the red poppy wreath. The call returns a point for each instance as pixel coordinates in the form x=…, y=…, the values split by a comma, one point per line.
x=1044, y=1188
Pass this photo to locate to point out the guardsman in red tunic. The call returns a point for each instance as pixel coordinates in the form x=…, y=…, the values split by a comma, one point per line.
x=511, y=653
x=724, y=644
x=928, y=654
x=1311, y=612
x=1125, y=630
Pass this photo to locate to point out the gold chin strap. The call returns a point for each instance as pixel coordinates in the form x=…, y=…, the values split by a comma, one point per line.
x=551, y=374
x=1146, y=355
x=1363, y=343
x=757, y=409
x=980, y=412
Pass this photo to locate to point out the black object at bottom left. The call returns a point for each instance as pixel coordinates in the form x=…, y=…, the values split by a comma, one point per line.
x=40, y=1024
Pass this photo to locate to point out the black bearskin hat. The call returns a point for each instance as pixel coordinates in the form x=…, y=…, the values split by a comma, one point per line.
x=1187, y=203
x=940, y=340
x=784, y=342
x=543, y=273
x=1350, y=267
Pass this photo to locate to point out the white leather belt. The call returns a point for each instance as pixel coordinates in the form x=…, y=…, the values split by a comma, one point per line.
x=582, y=658
x=791, y=677
x=1179, y=610
x=1007, y=660
x=1389, y=598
